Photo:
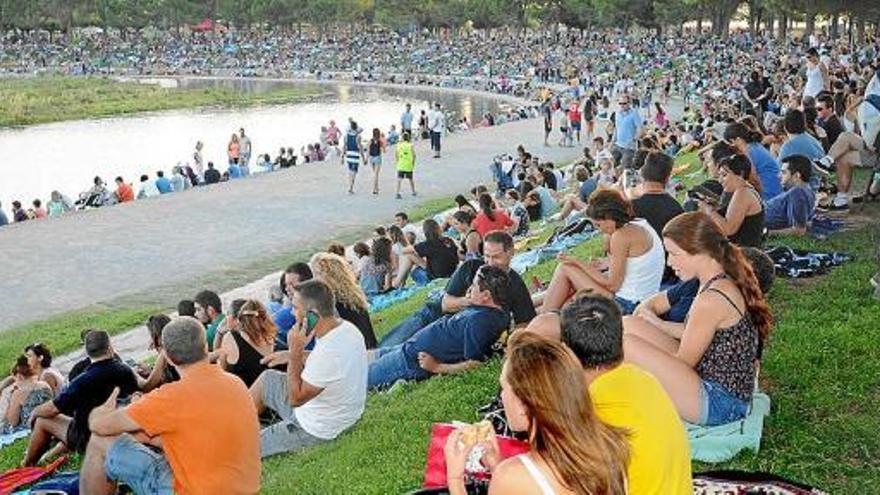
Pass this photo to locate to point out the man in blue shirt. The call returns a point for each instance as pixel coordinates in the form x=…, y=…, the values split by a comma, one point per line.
x=627, y=126
x=791, y=211
x=234, y=170
x=406, y=120
x=162, y=183
x=799, y=142
x=454, y=343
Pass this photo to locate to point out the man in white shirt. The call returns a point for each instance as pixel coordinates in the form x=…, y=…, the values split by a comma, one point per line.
x=245, y=148
x=436, y=124
x=323, y=393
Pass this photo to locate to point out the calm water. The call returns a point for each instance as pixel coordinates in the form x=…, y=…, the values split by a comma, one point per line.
x=67, y=155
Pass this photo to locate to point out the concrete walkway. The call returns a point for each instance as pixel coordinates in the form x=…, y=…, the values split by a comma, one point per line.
x=195, y=237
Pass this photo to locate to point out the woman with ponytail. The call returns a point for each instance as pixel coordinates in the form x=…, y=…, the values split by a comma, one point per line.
x=491, y=218
x=572, y=452
x=747, y=142
x=710, y=374
x=742, y=218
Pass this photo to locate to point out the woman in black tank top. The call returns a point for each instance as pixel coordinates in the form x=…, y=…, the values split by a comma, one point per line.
x=742, y=219
x=248, y=344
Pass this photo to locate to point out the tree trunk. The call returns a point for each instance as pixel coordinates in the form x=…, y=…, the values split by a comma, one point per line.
x=810, y=21
x=700, y=23
x=860, y=31
x=783, y=26
x=768, y=23
x=835, y=25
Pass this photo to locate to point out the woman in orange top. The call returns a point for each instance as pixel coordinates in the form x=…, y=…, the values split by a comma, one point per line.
x=233, y=149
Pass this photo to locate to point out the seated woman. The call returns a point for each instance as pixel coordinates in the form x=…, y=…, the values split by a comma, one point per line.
x=162, y=372
x=375, y=275
x=710, y=373
x=19, y=399
x=544, y=393
x=518, y=213
x=635, y=258
x=470, y=245
x=435, y=257
x=251, y=338
x=742, y=218
x=491, y=218
x=351, y=302
x=40, y=359
x=400, y=263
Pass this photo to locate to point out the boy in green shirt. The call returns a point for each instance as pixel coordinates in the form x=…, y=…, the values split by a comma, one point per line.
x=406, y=162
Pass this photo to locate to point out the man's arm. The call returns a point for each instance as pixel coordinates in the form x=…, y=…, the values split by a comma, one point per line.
x=108, y=421
x=454, y=304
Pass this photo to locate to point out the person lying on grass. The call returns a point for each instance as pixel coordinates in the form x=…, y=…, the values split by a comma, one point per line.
x=710, y=373
x=454, y=343
x=498, y=252
x=624, y=395
x=573, y=451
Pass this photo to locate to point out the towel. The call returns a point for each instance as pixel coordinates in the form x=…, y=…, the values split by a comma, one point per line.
x=523, y=261
x=721, y=443
x=16, y=478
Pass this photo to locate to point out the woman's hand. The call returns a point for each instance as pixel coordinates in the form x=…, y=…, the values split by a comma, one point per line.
x=456, y=454
x=491, y=452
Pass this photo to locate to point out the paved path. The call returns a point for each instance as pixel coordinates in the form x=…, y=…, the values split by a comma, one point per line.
x=77, y=261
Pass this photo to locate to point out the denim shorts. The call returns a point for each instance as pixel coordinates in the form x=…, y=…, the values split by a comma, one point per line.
x=626, y=306
x=718, y=406
x=376, y=160
x=141, y=468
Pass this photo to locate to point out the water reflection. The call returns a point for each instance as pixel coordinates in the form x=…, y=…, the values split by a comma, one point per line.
x=67, y=155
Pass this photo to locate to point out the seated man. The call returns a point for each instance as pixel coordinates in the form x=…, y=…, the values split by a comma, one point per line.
x=209, y=311
x=282, y=314
x=66, y=418
x=791, y=211
x=497, y=252
x=655, y=204
x=454, y=343
x=324, y=391
x=628, y=397
x=578, y=201
x=197, y=435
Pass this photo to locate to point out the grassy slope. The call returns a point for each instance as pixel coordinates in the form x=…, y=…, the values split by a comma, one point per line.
x=53, y=98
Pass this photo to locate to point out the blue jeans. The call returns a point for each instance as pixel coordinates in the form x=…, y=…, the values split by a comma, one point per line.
x=626, y=306
x=718, y=406
x=420, y=276
x=392, y=365
x=408, y=327
x=435, y=141
x=143, y=469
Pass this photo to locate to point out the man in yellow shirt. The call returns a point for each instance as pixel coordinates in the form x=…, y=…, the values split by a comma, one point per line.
x=624, y=395
x=406, y=162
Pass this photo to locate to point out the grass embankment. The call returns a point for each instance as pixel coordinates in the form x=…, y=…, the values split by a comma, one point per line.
x=46, y=99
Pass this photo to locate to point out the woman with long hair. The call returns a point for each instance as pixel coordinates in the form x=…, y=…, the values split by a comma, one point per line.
x=251, y=338
x=742, y=218
x=40, y=359
x=351, y=302
x=572, y=452
x=376, y=270
x=633, y=269
x=233, y=149
x=400, y=263
x=748, y=142
x=375, y=150
x=491, y=218
x=470, y=245
x=435, y=257
x=23, y=396
x=710, y=373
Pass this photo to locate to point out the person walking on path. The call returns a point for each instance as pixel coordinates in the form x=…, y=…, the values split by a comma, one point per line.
x=354, y=154
x=406, y=163
x=406, y=120
x=436, y=124
x=376, y=148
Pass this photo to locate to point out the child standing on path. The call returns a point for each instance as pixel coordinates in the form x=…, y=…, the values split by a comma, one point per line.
x=406, y=162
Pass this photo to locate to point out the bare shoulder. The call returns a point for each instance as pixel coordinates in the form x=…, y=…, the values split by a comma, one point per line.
x=510, y=476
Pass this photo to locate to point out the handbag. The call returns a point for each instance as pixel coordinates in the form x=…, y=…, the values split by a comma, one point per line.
x=435, y=466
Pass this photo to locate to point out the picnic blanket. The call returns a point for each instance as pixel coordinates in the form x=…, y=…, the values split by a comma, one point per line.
x=821, y=227
x=382, y=301
x=797, y=263
x=16, y=478
x=715, y=482
x=523, y=261
x=8, y=438
x=721, y=443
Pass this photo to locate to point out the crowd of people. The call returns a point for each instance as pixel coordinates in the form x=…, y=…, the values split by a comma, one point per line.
x=604, y=362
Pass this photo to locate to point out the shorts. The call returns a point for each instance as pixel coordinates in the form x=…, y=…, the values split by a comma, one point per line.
x=287, y=435
x=144, y=470
x=352, y=166
x=626, y=306
x=401, y=174
x=77, y=439
x=576, y=125
x=376, y=161
x=718, y=406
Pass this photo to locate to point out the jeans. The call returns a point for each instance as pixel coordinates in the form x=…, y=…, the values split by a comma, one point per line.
x=420, y=276
x=141, y=468
x=435, y=141
x=287, y=435
x=392, y=365
x=408, y=327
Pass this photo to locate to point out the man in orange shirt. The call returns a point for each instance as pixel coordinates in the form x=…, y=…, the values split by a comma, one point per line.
x=124, y=192
x=199, y=435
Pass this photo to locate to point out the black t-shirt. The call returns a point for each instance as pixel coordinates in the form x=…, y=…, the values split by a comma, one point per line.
x=657, y=209
x=833, y=129
x=212, y=176
x=441, y=255
x=520, y=300
x=360, y=319
x=92, y=387
x=550, y=180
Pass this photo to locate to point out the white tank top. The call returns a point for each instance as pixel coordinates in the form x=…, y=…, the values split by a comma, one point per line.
x=536, y=474
x=815, y=83
x=644, y=273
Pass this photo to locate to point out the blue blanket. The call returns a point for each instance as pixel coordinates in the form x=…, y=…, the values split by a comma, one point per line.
x=721, y=443
x=9, y=438
x=523, y=261
x=382, y=301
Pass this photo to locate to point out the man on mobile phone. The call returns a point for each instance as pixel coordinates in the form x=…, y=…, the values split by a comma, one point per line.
x=323, y=392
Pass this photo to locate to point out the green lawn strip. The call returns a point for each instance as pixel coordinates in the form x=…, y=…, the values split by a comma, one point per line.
x=46, y=99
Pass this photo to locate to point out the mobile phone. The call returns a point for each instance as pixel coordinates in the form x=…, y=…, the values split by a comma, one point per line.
x=311, y=322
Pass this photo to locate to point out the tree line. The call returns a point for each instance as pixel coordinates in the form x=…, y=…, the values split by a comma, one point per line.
x=403, y=15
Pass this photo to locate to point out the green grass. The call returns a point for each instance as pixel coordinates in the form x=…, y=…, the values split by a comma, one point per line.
x=54, y=98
